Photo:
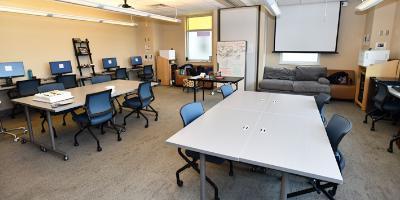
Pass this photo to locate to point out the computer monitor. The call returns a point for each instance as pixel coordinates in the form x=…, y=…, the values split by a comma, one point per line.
x=9, y=70
x=109, y=63
x=136, y=60
x=60, y=67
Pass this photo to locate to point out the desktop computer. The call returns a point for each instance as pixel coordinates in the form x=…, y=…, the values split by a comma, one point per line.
x=136, y=61
x=59, y=68
x=109, y=63
x=9, y=70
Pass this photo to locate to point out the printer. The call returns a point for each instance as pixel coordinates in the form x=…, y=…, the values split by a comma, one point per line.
x=370, y=57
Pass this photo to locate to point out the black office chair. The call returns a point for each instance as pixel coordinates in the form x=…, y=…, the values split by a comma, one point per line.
x=99, y=110
x=69, y=81
x=384, y=105
x=23, y=89
x=189, y=113
x=146, y=74
x=121, y=74
x=100, y=79
x=138, y=103
x=321, y=99
x=337, y=128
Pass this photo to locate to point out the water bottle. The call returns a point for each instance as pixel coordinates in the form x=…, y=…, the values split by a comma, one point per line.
x=30, y=74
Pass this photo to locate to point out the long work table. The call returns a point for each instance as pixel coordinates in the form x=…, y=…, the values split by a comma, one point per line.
x=277, y=131
x=121, y=87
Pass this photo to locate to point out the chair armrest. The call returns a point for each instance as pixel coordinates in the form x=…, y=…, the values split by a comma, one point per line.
x=323, y=80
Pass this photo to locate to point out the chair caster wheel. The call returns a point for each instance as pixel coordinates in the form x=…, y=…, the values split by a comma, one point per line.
x=64, y=124
x=16, y=139
x=372, y=129
x=23, y=141
x=119, y=139
x=42, y=131
x=147, y=126
x=99, y=149
x=156, y=119
x=230, y=173
x=179, y=183
x=66, y=158
x=390, y=150
x=76, y=144
x=103, y=132
x=43, y=149
x=122, y=130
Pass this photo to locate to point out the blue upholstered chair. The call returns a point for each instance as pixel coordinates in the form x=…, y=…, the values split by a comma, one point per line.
x=138, y=103
x=69, y=81
x=23, y=89
x=121, y=74
x=322, y=99
x=101, y=78
x=147, y=73
x=226, y=90
x=99, y=110
x=189, y=113
x=337, y=128
x=47, y=88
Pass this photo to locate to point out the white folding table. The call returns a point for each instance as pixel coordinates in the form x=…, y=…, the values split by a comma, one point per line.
x=79, y=93
x=278, y=131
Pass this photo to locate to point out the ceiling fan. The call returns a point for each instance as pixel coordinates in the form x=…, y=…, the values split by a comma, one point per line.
x=126, y=5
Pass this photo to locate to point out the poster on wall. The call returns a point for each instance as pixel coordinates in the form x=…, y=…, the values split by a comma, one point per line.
x=231, y=59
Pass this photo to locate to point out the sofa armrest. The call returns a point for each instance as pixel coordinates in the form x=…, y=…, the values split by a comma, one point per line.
x=323, y=80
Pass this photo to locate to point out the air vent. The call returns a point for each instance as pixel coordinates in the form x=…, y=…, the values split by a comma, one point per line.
x=160, y=5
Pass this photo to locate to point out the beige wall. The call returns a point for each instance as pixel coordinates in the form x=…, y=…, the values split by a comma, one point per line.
x=395, y=43
x=349, y=44
x=37, y=40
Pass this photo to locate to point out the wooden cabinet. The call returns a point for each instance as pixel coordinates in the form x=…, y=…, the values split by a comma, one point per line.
x=163, y=70
x=389, y=69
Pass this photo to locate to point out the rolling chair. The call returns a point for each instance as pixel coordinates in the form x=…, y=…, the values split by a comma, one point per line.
x=146, y=74
x=226, y=90
x=100, y=79
x=23, y=89
x=321, y=99
x=384, y=104
x=121, y=74
x=99, y=110
x=69, y=81
x=189, y=113
x=337, y=128
x=143, y=100
x=9, y=131
x=47, y=88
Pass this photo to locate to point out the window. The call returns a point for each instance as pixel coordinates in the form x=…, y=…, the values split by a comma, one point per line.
x=199, y=38
x=300, y=58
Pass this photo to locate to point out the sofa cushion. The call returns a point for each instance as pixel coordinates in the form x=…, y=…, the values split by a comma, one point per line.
x=323, y=80
x=309, y=73
x=310, y=87
x=276, y=84
x=282, y=72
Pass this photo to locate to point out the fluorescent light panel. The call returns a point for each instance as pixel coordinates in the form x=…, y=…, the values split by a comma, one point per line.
x=62, y=16
x=129, y=11
x=367, y=4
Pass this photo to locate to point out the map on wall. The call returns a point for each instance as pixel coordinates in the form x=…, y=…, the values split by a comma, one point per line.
x=231, y=58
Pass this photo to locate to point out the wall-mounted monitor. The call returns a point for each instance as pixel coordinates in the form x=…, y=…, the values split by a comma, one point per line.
x=60, y=67
x=109, y=63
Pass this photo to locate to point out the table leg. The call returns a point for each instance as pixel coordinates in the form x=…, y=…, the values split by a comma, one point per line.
x=194, y=90
x=202, y=176
x=29, y=124
x=284, y=185
x=237, y=86
x=203, y=90
x=51, y=131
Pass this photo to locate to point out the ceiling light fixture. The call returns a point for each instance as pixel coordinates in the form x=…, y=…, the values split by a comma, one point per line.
x=129, y=11
x=62, y=16
x=367, y=4
x=273, y=7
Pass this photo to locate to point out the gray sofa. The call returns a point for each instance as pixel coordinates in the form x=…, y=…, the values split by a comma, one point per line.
x=308, y=80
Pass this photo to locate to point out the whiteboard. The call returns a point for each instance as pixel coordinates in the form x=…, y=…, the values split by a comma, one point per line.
x=231, y=58
x=308, y=28
x=242, y=24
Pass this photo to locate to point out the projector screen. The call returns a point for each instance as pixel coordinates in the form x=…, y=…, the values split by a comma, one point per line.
x=308, y=28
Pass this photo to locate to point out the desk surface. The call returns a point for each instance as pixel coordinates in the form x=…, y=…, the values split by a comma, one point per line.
x=226, y=79
x=277, y=131
x=79, y=93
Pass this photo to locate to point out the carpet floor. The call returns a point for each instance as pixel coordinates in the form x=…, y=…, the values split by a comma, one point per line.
x=143, y=166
